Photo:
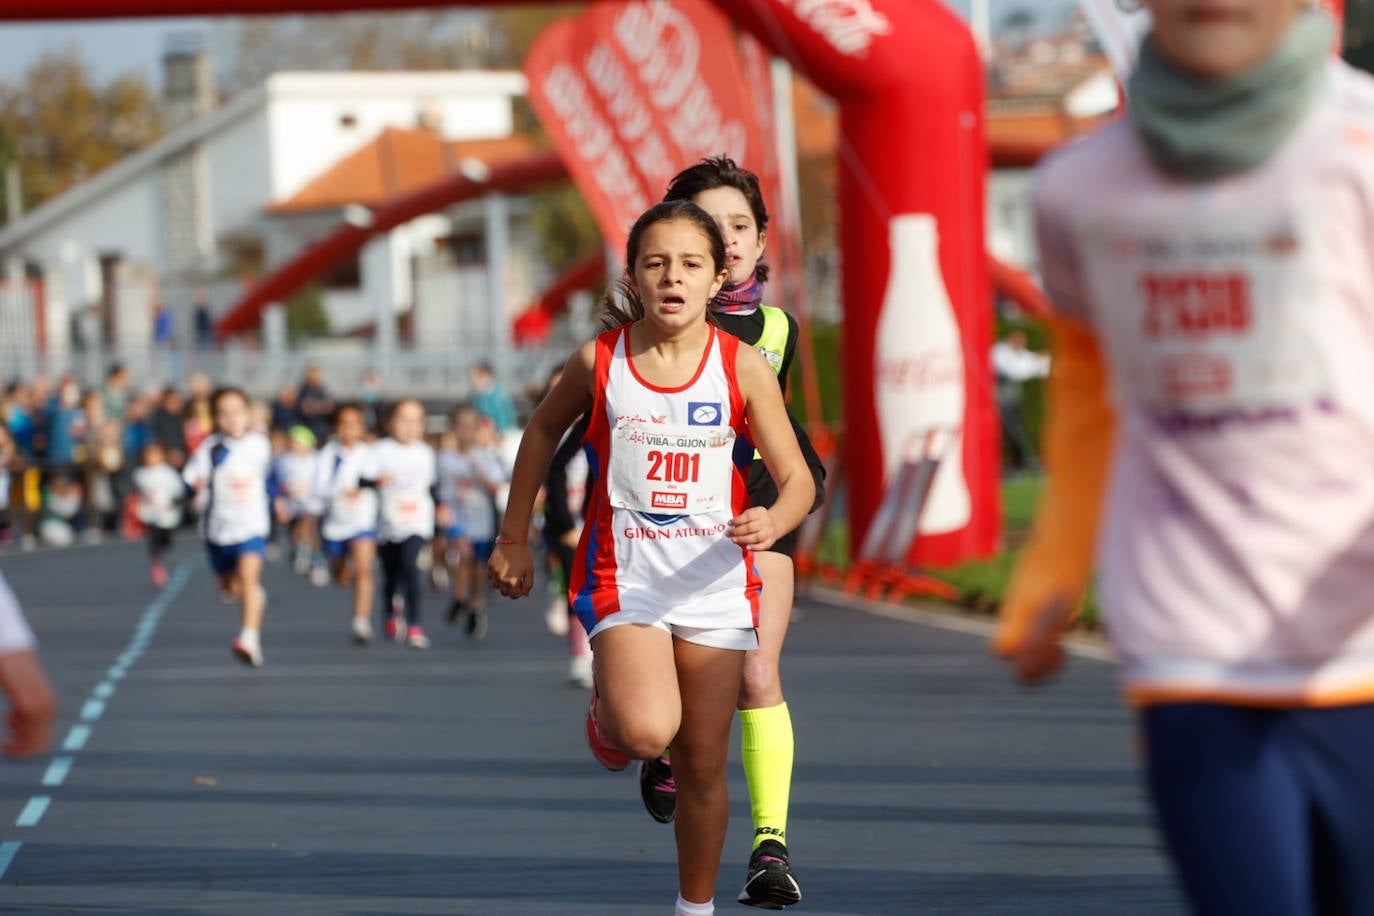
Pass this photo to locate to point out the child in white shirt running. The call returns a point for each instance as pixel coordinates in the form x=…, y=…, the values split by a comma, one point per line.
x=406, y=486
x=160, y=494
x=346, y=484
x=470, y=476
x=296, y=475
x=230, y=470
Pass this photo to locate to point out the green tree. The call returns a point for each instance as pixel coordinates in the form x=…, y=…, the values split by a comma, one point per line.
x=515, y=29
x=61, y=126
x=565, y=225
x=305, y=315
x=439, y=39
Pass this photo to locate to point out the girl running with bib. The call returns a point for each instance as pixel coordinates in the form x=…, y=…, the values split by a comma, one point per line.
x=1210, y=258
x=407, y=481
x=733, y=198
x=160, y=493
x=345, y=484
x=230, y=470
x=664, y=577
x=470, y=476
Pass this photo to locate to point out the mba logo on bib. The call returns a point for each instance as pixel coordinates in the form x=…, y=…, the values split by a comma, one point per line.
x=703, y=414
x=661, y=500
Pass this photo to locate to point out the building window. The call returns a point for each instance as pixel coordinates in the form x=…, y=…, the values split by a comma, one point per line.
x=345, y=274
x=465, y=248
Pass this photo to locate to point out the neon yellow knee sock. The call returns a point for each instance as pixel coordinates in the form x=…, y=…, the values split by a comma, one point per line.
x=766, y=746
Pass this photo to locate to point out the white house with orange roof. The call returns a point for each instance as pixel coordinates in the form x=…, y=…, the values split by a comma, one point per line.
x=430, y=271
x=230, y=190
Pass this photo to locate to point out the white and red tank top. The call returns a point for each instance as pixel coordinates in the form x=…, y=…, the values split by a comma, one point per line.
x=665, y=484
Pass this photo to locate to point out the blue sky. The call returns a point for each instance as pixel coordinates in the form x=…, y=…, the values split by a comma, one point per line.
x=116, y=46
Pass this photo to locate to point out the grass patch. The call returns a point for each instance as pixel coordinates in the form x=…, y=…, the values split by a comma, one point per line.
x=981, y=583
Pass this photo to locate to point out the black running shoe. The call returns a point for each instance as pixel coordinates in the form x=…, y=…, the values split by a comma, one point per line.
x=476, y=623
x=456, y=610
x=658, y=790
x=771, y=884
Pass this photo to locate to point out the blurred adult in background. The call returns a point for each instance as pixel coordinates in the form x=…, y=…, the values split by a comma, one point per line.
x=198, y=418
x=164, y=333
x=167, y=426
x=284, y=408
x=1210, y=261
x=1014, y=364
x=117, y=392
x=137, y=430
x=204, y=321
x=66, y=427
x=370, y=399
x=313, y=403
x=106, y=465
x=19, y=418
x=98, y=458
x=491, y=399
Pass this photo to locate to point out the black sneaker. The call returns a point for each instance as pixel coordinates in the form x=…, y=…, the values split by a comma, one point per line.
x=456, y=610
x=771, y=884
x=477, y=623
x=658, y=790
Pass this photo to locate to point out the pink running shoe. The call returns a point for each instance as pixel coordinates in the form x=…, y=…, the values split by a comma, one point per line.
x=395, y=628
x=606, y=753
x=158, y=572
x=248, y=653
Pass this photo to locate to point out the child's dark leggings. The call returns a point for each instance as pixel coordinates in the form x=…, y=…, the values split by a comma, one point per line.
x=159, y=539
x=401, y=570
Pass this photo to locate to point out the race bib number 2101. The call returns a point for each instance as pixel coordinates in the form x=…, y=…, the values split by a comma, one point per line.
x=674, y=470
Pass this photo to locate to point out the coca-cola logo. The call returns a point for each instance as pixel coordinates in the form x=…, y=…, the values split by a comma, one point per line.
x=849, y=25
x=922, y=371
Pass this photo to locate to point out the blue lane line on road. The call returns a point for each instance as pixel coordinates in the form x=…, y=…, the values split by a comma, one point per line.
x=94, y=708
x=33, y=811
x=7, y=854
x=57, y=771
x=77, y=738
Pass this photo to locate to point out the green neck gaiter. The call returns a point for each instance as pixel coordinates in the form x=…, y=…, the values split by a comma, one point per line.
x=1197, y=129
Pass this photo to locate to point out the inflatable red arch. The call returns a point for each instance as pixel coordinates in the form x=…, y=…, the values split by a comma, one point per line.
x=912, y=165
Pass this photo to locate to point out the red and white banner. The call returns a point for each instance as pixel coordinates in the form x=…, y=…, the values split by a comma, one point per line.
x=633, y=93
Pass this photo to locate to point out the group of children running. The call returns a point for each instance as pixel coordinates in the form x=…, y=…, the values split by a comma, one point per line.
x=349, y=504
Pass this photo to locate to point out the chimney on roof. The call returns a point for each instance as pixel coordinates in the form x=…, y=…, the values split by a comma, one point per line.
x=188, y=83
x=430, y=116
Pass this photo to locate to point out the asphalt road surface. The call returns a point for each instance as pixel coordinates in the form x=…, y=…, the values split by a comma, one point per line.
x=384, y=780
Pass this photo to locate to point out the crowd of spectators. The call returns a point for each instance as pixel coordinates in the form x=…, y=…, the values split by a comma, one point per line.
x=67, y=454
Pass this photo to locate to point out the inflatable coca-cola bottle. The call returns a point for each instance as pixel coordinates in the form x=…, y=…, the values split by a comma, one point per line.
x=919, y=389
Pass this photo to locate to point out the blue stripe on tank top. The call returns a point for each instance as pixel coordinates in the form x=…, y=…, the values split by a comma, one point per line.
x=218, y=452
x=583, y=597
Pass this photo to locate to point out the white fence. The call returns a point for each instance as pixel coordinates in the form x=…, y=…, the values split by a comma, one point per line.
x=21, y=329
x=431, y=374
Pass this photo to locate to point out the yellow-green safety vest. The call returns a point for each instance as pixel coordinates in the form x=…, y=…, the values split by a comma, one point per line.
x=772, y=343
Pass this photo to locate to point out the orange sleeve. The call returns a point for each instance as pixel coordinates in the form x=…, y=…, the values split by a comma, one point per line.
x=1079, y=431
